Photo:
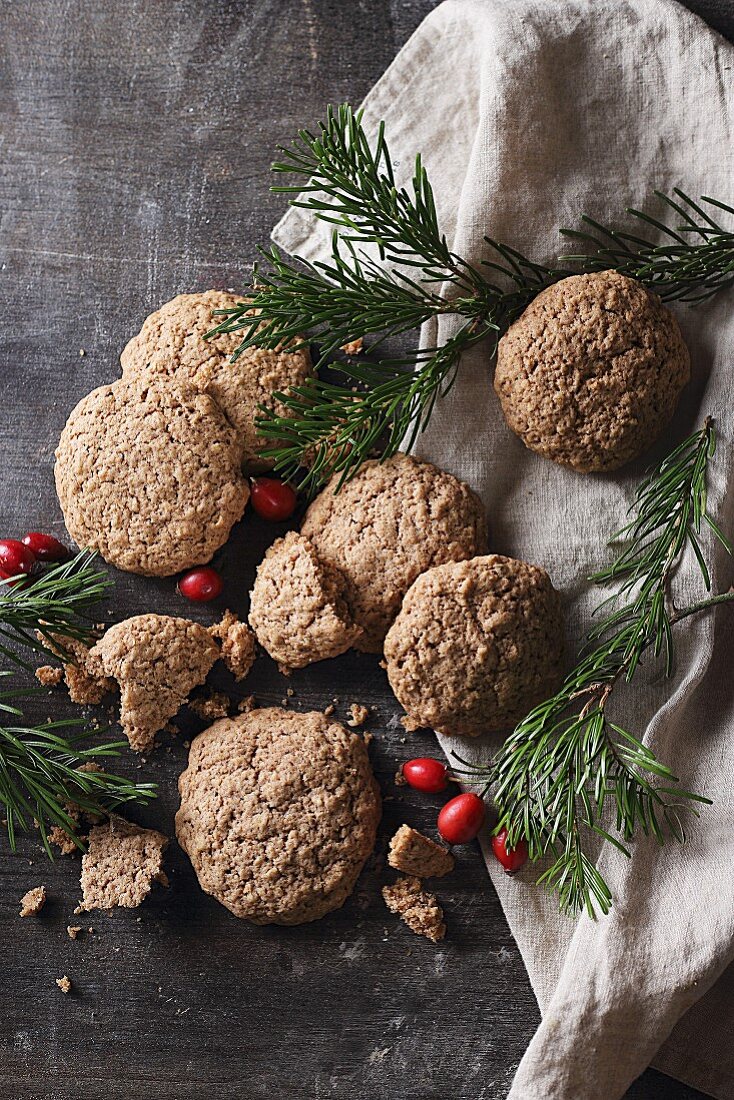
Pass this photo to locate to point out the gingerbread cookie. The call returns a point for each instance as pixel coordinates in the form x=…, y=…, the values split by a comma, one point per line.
x=171, y=345
x=385, y=527
x=278, y=814
x=476, y=645
x=591, y=372
x=150, y=476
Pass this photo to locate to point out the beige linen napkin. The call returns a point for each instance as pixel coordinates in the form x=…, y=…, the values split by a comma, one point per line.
x=527, y=113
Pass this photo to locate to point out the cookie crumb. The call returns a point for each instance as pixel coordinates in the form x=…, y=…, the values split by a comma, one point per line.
x=33, y=901
x=237, y=648
x=49, y=676
x=64, y=984
x=85, y=685
x=73, y=930
x=399, y=779
x=415, y=854
x=328, y=711
x=353, y=347
x=368, y=738
x=359, y=715
x=409, y=724
x=416, y=907
x=120, y=865
x=212, y=706
x=247, y=704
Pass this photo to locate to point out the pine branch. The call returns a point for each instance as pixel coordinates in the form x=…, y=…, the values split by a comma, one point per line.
x=56, y=605
x=40, y=776
x=691, y=262
x=391, y=270
x=568, y=763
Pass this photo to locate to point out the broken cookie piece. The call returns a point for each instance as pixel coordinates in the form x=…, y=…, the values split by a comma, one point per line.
x=297, y=605
x=415, y=854
x=33, y=901
x=49, y=676
x=237, y=644
x=86, y=684
x=416, y=907
x=358, y=715
x=210, y=707
x=120, y=865
x=157, y=660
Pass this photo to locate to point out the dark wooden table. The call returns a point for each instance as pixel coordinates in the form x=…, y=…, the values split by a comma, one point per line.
x=136, y=141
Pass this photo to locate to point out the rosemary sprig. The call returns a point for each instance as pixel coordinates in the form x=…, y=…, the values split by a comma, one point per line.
x=391, y=270
x=55, y=605
x=40, y=776
x=568, y=767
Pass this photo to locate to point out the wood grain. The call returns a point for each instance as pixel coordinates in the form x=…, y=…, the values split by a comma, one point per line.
x=136, y=142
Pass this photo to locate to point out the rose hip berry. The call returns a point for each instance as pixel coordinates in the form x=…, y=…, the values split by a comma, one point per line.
x=273, y=499
x=201, y=585
x=461, y=818
x=512, y=859
x=45, y=547
x=15, y=558
x=426, y=774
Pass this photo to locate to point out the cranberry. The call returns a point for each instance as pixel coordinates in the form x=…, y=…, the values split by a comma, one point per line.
x=426, y=774
x=512, y=859
x=15, y=558
x=201, y=585
x=461, y=818
x=273, y=499
x=45, y=547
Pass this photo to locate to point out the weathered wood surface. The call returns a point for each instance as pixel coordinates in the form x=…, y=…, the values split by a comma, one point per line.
x=136, y=140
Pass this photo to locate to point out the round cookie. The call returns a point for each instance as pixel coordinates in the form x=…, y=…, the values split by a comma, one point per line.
x=171, y=344
x=385, y=527
x=477, y=644
x=150, y=476
x=297, y=605
x=591, y=372
x=278, y=814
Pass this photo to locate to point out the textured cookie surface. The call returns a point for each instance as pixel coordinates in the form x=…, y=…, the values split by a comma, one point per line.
x=385, y=527
x=120, y=865
x=171, y=344
x=417, y=907
x=476, y=645
x=415, y=854
x=150, y=476
x=297, y=605
x=591, y=372
x=157, y=660
x=278, y=814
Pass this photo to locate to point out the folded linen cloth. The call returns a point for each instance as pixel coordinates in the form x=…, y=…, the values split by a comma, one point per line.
x=528, y=113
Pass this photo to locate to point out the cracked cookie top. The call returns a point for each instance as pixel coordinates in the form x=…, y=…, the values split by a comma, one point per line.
x=150, y=476
x=386, y=526
x=591, y=372
x=476, y=645
x=278, y=814
x=171, y=345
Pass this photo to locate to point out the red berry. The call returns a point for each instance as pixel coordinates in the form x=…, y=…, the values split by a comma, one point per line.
x=201, y=585
x=15, y=557
x=512, y=859
x=461, y=818
x=426, y=774
x=273, y=499
x=45, y=547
